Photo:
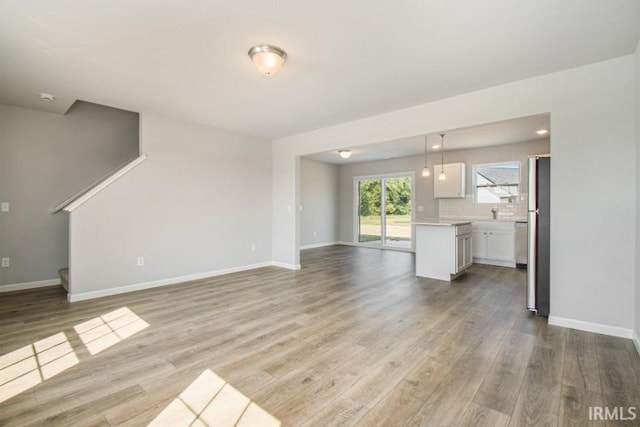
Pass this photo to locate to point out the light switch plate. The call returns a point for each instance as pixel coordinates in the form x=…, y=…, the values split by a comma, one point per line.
x=5, y=262
x=4, y=207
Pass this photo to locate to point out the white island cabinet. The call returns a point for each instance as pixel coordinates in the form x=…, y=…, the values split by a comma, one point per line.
x=443, y=248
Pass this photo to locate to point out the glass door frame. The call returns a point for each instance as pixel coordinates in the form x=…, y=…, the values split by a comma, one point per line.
x=383, y=214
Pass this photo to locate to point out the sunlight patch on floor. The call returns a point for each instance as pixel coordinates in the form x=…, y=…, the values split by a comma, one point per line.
x=102, y=332
x=211, y=401
x=30, y=365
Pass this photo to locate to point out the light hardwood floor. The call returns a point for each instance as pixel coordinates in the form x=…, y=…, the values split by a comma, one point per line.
x=354, y=338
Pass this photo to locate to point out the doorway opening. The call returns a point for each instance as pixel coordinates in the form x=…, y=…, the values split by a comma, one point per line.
x=384, y=210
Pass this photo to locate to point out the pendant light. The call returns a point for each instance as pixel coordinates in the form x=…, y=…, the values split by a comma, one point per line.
x=442, y=176
x=425, y=172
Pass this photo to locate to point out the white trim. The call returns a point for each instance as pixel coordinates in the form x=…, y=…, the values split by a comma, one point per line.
x=285, y=265
x=374, y=246
x=29, y=285
x=598, y=328
x=80, y=198
x=162, y=282
x=318, y=245
x=636, y=341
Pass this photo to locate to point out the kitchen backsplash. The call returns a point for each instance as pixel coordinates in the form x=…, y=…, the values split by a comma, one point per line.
x=467, y=209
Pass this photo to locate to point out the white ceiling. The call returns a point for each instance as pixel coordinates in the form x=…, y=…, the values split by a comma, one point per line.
x=347, y=59
x=506, y=132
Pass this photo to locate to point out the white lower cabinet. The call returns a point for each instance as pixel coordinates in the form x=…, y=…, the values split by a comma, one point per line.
x=494, y=243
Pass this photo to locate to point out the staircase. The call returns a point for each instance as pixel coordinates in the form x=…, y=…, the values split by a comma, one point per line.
x=64, y=278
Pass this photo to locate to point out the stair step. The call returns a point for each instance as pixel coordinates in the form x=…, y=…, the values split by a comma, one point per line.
x=64, y=278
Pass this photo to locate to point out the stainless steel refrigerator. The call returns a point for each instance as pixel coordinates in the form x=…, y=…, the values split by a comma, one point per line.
x=538, y=234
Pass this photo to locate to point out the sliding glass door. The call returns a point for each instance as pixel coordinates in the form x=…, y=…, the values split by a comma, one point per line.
x=384, y=210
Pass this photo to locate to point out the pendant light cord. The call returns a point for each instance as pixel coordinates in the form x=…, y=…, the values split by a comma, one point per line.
x=425, y=151
x=442, y=153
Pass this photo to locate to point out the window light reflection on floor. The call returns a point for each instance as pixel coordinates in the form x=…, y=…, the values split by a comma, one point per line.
x=102, y=332
x=211, y=401
x=30, y=365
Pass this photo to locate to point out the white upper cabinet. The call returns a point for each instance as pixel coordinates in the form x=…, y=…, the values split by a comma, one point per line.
x=453, y=187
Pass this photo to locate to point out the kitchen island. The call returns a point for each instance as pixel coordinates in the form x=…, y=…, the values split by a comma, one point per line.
x=443, y=248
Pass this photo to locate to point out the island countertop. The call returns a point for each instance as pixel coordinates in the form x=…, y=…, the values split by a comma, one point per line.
x=443, y=222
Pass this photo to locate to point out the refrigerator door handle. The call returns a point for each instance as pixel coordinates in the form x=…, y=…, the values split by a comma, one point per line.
x=531, y=261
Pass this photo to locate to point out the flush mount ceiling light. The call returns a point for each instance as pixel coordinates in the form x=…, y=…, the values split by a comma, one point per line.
x=345, y=154
x=425, y=171
x=435, y=147
x=442, y=176
x=542, y=132
x=267, y=59
x=47, y=97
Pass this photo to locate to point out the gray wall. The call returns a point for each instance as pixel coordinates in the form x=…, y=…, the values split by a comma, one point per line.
x=195, y=206
x=424, y=186
x=44, y=159
x=319, y=198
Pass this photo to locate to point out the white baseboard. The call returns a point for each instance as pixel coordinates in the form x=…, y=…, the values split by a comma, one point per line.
x=285, y=265
x=318, y=245
x=29, y=285
x=636, y=341
x=598, y=328
x=366, y=245
x=162, y=282
x=496, y=263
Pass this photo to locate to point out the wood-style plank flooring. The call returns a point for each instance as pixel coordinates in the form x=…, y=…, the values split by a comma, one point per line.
x=354, y=338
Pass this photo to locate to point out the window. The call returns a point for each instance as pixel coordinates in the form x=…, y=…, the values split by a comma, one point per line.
x=497, y=182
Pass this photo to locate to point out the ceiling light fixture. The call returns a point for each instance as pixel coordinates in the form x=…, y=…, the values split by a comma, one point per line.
x=47, y=97
x=425, y=171
x=442, y=176
x=435, y=147
x=267, y=59
x=345, y=154
x=542, y=132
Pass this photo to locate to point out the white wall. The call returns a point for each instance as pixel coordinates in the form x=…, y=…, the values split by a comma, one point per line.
x=196, y=205
x=319, y=197
x=424, y=186
x=592, y=214
x=44, y=159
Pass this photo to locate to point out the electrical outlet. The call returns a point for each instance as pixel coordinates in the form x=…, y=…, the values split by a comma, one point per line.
x=253, y=247
x=4, y=207
x=6, y=262
x=420, y=208
x=140, y=261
